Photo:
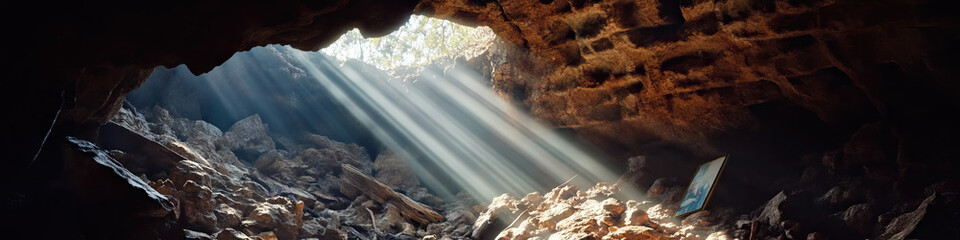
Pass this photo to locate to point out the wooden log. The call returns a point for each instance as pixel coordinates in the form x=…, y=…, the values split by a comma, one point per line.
x=382, y=194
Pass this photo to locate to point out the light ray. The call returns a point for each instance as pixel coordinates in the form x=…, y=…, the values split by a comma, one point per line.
x=453, y=130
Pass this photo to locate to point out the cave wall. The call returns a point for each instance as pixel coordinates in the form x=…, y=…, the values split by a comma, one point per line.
x=691, y=71
x=70, y=64
x=846, y=103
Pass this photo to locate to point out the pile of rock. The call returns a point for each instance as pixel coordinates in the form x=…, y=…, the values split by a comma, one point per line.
x=247, y=183
x=601, y=212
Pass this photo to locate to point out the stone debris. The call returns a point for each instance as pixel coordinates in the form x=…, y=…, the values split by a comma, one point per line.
x=243, y=184
x=600, y=212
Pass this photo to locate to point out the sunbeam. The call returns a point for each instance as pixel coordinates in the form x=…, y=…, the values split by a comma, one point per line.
x=454, y=131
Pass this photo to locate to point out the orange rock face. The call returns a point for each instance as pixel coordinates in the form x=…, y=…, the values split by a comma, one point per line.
x=641, y=75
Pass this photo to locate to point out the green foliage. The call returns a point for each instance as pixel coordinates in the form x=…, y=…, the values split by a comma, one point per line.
x=419, y=42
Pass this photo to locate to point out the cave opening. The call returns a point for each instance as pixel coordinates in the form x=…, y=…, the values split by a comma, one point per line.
x=411, y=109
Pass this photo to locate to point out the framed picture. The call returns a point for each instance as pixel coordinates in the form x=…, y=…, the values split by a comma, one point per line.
x=700, y=189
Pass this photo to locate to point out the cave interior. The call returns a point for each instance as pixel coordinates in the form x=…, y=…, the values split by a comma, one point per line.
x=221, y=120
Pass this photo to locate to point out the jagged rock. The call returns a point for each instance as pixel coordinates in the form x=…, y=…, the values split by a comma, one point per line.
x=194, y=235
x=816, y=236
x=500, y=208
x=594, y=213
x=860, y=217
x=772, y=214
x=550, y=217
x=901, y=227
x=323, y=160
x=633, y=232
x=213, y=192
x=227, y=216
x=231, y=234
x=268, y=236
x=201, y=133
x=272, y=163
x=307, y=179
x=718, y=236
x=590, y=217
x=843, y=195
x=657, y=188
x=142, y=154
x=277, y=215
x=561, y=193
x=530, y=201
x=613, y=206
x=312, y=228
x=634, y=216
x=343, y=153
x=699, y=218
x=393, y=171
x=198, y=207
x=95, y=180
x=191, y=171
x=248, y=138
x=131, y=119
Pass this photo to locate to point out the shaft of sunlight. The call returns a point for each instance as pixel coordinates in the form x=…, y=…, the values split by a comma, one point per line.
x=455, y=132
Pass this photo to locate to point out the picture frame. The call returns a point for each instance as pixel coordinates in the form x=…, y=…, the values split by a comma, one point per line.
x=701, y=187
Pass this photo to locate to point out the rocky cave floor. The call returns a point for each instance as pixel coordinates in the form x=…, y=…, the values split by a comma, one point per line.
x=249, y=183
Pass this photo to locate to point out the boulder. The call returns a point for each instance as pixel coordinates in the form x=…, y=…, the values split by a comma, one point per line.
x=500, y=210
x=277, y=215
x=248, y=138
x=772, y=214
x=351, y=153
x=195, y=235
x=860, y=217
x=198, y=206
x=901, y=227
x=231, y=234
x=227, y=216
x=632, y=233
x=142, y=154
x=323, y=161
x=634, y=216
x=99, y=188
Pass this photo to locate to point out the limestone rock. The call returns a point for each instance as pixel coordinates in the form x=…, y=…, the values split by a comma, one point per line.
x=231, y=234
x=268, y=236
x=772, y=214
x=594, y=213
x=198, y=208
x=632, y=232
x=500, y=209
x=194, y=235
x=634, y=216
x=901, y=227
x=860, y=217
x=343, y=153
x=322, y=160
x=248, y=138
x=227, y=216
x=277, y=215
